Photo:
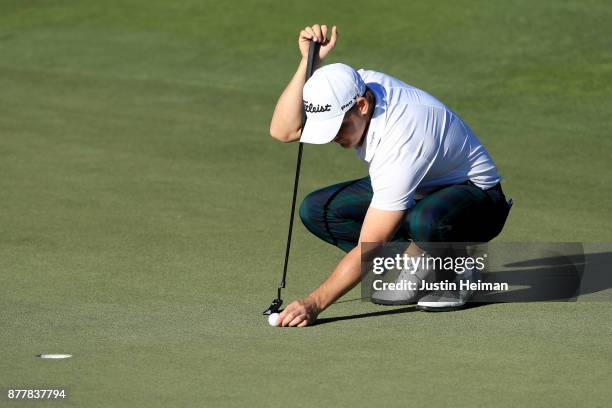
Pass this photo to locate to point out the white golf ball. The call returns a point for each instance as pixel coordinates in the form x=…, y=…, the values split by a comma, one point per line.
x=273, y=319
x=54, y=356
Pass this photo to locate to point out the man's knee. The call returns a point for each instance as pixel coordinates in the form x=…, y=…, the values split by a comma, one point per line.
x=311, y=213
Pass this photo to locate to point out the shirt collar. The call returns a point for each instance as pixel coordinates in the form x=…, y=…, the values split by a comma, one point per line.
x=376, y=127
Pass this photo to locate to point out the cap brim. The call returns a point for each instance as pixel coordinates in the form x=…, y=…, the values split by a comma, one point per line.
x=321, y=132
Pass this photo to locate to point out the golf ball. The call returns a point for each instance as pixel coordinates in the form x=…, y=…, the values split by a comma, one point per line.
x=54, y=356
x=273, y=319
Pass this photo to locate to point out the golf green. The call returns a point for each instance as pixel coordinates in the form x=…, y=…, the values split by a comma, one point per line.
x=144, y=207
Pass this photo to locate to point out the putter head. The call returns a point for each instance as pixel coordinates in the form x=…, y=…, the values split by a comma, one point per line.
x=274, y=307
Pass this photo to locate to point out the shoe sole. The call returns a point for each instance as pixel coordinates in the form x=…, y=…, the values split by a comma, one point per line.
x=393, y=302
x=433, y=309
x=412, y=301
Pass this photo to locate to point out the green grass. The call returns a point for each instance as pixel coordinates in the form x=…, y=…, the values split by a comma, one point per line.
x=144, y=208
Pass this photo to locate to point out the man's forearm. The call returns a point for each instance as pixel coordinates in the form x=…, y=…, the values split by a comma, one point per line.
x=346, y=275
x=378, y=226
x=287, y=116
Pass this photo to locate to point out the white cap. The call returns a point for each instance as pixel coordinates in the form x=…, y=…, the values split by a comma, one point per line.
x=329, y=93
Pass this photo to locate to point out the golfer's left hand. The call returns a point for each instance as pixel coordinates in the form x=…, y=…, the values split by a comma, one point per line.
x=299, y=313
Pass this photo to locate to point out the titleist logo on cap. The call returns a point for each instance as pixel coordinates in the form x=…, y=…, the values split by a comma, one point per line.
x=310, y=108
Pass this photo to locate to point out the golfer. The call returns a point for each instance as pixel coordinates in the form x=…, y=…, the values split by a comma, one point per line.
x=430, y=179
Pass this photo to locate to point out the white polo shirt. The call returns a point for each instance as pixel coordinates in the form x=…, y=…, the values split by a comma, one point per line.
x=415, y=144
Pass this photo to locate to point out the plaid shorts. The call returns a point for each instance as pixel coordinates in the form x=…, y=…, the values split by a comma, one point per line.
x=457, y=213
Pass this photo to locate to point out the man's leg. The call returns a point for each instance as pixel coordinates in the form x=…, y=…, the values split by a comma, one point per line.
x=335, y=213
x=460, y=213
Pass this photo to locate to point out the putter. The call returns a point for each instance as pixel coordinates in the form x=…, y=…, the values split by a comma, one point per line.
x=277, y=302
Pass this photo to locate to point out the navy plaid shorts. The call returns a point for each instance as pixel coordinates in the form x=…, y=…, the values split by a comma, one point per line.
x=456, y=213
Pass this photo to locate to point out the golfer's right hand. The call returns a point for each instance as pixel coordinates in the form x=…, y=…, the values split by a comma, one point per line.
x=317, y=33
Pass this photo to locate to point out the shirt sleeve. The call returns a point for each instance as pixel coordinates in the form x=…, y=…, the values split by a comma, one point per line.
x=396, y=192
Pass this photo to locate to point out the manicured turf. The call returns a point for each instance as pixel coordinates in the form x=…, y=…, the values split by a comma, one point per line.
x=143, y=207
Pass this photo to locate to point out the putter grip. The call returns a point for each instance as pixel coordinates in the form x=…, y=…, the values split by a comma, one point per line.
x=313, y=50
